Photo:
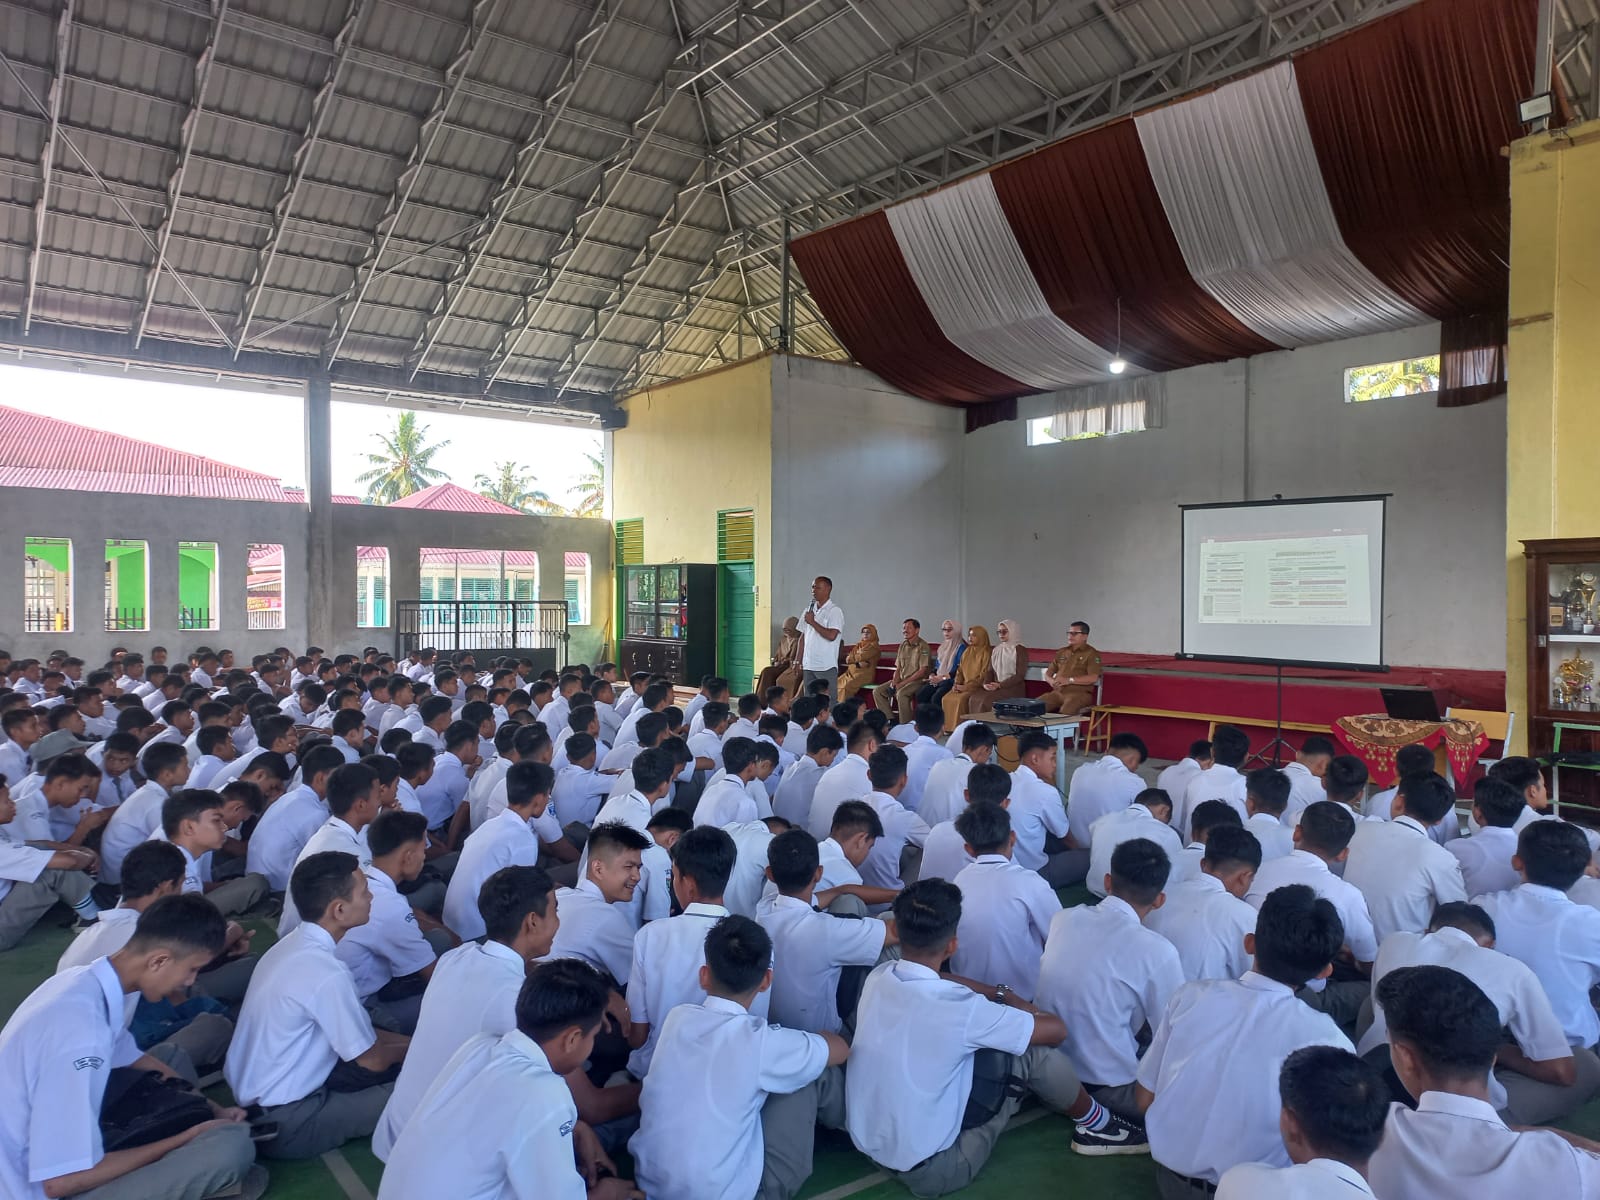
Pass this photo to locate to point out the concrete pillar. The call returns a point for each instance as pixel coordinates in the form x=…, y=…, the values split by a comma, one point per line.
x=163, y=598
x=319, y=565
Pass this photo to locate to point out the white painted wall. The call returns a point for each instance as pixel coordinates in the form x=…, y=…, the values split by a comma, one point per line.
x=866, y=489
x=1090, y=530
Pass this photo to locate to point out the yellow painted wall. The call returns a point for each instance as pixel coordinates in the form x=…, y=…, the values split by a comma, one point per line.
x=1553, y=407
x=690, y=450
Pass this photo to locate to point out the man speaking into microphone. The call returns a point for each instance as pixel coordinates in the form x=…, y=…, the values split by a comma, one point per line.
x=819, y=656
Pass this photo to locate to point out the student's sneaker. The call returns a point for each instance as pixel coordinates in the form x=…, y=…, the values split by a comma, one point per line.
x=1118, y=1137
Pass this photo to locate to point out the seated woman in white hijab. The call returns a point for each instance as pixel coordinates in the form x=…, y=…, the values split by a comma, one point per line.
x=1006, y=678
x=946, y=658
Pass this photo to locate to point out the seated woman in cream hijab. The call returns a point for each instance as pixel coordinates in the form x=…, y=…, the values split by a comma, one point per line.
x=974, y=669
x=785, y=669
x=1007, y=674
x=861, y=664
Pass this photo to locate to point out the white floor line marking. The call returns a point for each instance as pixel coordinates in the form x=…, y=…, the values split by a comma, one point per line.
x=877, y=1177
x=345, y=1176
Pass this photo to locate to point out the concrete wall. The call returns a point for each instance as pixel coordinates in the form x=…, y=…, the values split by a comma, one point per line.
x=871, y=479
x=91, y=518
x=1090, y=530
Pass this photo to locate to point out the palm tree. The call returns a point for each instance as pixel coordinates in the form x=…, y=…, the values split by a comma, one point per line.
x=518, y=488
x=403, y=466
x=590, y=489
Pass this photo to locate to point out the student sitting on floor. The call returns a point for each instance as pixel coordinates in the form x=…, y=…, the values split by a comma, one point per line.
x=1321, y=839
x=505, y=840
x=1208, y=1084
x=1537, y=1076
x=1334, y=1108
x=1038, y=816
x=33, y=878
x=1402, y=872
x=594, y=921
x=1266, y=799
x=945, y=854
x=1206, y=817
x=57, y=1053
x=1106, y=786
x=1486, y=857
x=391, y=957
x=1537, y=924
x=1006, y=909
x=499, y=1120
x=289, y=822
x=944, y=791
x=1109, y=978
x=352, y=806
x=1148, y=817
x=810, y=949
x=731, y=1104
x=798, y=786
x=911, y=1103
x=904, y=832
x=1223, y=780
x=167, y=768
x=1443, y=1037
x=303, y=1048
x=726, y=798
x=1206, y=918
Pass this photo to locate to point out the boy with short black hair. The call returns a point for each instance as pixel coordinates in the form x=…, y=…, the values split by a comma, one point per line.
x=391, y=957
x=166, y=766
x=504, y=840
x=1205, y=917
x=1006, y=909
x=792, y=801
x=1208, y=1082
x=594, y=921
x=1148, y=817
x=943, y=792
x=1305, y=774
x=1267, y=800
x=945, y=854
x=1223, y=780
x=1401, y=871
x=33, y=878
x=899, y=850
x=1486, y=857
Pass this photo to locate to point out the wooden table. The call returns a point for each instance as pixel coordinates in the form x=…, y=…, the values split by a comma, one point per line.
x=1101, y=715
x=1060, y=727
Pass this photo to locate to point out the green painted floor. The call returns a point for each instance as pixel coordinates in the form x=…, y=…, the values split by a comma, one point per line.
x=1033, y=1159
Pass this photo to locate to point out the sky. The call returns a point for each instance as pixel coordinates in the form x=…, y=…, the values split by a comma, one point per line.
x=264, y=432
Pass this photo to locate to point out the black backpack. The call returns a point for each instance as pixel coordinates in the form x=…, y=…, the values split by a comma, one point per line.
x=141, y=1107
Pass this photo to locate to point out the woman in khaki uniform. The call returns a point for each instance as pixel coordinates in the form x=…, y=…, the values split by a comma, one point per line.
x=970, y=675
x=861, y=664
x=1007, y=674
x=785, y=669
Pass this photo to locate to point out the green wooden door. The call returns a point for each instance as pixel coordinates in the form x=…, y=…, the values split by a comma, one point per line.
x=736, y=635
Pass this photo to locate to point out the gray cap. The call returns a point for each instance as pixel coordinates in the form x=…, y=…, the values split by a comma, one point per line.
x=53, y=745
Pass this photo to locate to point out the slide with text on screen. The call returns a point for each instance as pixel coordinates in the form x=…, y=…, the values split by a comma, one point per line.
x=1291, y=581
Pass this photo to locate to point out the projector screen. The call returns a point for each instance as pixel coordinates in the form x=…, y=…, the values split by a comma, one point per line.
x=1294, y=581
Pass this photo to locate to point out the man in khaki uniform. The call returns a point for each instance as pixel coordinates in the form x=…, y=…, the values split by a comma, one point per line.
x=912, y=663
x=1074, y=673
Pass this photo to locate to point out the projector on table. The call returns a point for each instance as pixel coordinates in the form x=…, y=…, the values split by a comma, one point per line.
x=1011, y=709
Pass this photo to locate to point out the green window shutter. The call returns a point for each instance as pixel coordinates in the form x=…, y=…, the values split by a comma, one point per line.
x=736, y=536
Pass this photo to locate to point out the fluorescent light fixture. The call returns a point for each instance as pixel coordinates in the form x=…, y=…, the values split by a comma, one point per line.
x=1535, y=108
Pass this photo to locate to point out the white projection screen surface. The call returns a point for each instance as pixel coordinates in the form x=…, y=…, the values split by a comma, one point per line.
x=1285, y=581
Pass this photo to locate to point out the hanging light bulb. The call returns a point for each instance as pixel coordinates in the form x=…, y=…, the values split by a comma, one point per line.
x=1118, y=364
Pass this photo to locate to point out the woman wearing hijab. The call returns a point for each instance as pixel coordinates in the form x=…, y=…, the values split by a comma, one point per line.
x=945, y=661
x=785, y=660
x=969, y=676
x=1007, y=674
x=861, y=664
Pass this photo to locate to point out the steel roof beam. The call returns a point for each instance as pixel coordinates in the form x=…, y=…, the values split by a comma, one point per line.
x=47, y=158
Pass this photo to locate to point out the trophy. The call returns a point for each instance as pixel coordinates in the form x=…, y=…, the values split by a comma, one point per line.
x=1575, y=677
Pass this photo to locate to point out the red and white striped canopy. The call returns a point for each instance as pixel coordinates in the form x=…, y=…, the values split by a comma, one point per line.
x=1357, y=187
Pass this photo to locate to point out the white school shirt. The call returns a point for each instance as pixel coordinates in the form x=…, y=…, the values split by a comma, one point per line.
x=301, y=1016
x=652, y=899
x=706, y=744
x=1107, y=977
x=15, y=762
x=1213, y=1066
x=944, y=792
x=809, y=950
x=19, y=862
x=606, y=714
x=1097, y=788
x=1305, y=789
x=620, y=757
x=1403, y=874
x=1036, y=810
x=281, y=833
x=1301, y=866
x=393, y=715
x=375, y=710
x=692, y=709
x=910, y=1071
x=593, y=929
x=473, y=990
x=102, y=726
x=578, y=793
x=901, y=828
x=502, y=841
x=922, y=756
x=390, y=945
x=837, y=870
x=1485, y=860
x=1174, y=779
x=1216, y=782
x=628, y=730
x=749, y=875
x=1206, y=924
x=56, y=1054
x=1560, y=941
x=1125, y=825
x=203, y=768
x=445, y=790
x=135, y=819
x=1274, y=838
x=1457, y=1146
x=845, y=780
x=334, y=834
x=482, y=787
x=496, y=1125
x=699, y=1132
x=796, y=789
x=109, y=933
x=817, y=653
x=230, y=771
x=1518, y=996
x=667, y=957
x=1006, y=912
x=554, y=716
x=1319, y=1179
x=724, y=802
x=944, y=854
x=114, y=789
x=741, y=727
x=785, y=761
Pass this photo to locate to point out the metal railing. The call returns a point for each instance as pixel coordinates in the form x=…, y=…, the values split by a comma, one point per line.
x=46, y=618
x=119, y=620
x=264, y=618
x=195, y=618
x=500, y=626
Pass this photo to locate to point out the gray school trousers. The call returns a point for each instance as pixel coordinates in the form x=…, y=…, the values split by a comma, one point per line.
x=216, y=1161
x=788, y=1132
x=27, y=902
x=239, y=894
x=1049, y=1075
x=324, y=1120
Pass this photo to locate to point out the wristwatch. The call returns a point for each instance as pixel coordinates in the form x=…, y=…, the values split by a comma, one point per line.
x=1002, y=994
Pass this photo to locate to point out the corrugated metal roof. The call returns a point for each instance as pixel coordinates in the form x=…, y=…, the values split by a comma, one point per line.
x=567, y=193
x=449, y=497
